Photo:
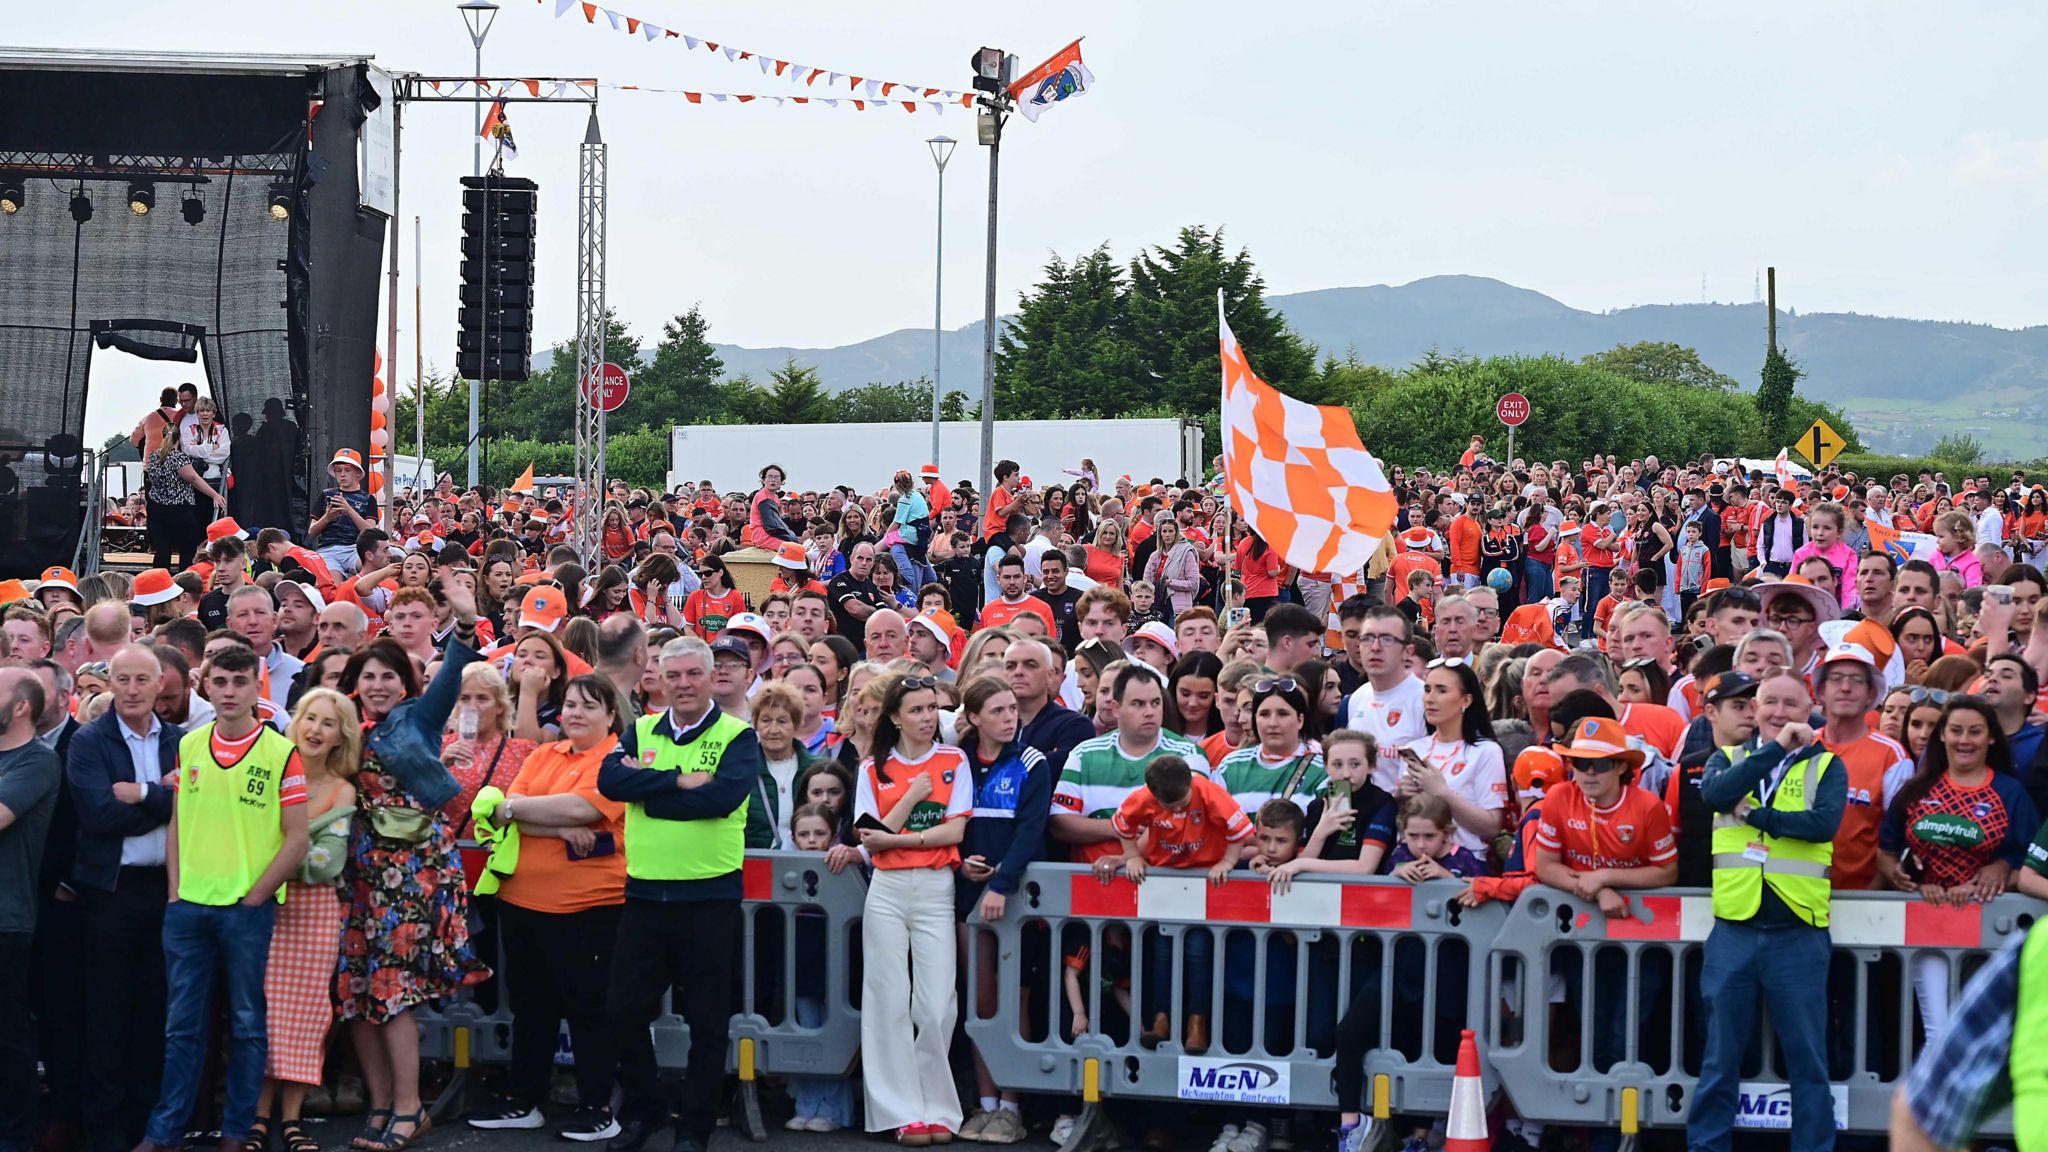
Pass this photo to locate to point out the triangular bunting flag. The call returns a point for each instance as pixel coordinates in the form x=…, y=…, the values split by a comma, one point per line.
x=828, y=102
x=801, y=99
x=689, y=41
x=781, y=66
x=651, y=31
x=832, y=79
x=745, y=55
x=718, y=96
x=766, y=63
x=777, y=99
x=860, y=105
x=436, y=84
x=744, y=99
x=613, y=17
x=874, y=89
x=852, y=82
x=562, y=6
x=732, y=53
x=967, y=99
x=910, y=105
x=632, y=24
x=886, y=86
x=694, y=97
x=532, y=87
x=936, y=106
x=589, y=12
x=931, y=91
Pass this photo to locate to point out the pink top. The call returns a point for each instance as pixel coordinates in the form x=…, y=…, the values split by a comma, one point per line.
x=1843, y=558
x=1964, y=564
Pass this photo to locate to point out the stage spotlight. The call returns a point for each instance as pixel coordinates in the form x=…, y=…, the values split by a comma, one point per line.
x=81, y=206
x=194, y=209
x=141, y=197
x=280, y=199
x=12, y=193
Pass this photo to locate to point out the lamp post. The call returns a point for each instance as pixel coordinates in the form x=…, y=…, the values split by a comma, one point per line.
x=942, y=150
x=477, y=15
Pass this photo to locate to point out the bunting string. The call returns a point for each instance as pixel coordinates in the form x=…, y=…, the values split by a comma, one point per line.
x=869, y=89
x=695, y=96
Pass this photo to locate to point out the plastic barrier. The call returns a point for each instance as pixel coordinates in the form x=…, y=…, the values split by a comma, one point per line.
x=1596, y=1021
x=1282, y=971
x=801, y=940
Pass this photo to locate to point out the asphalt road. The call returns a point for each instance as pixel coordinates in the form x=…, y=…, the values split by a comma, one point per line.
x=334, y=1134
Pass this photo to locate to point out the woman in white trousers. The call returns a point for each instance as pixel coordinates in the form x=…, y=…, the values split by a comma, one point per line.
x=922, y=792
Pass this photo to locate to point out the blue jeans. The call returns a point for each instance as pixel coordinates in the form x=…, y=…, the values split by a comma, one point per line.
x=1196, y=973
x=910, y=572
x=1784, y=968
x=201, y=944
x=1535, y=581
x=827, y=1096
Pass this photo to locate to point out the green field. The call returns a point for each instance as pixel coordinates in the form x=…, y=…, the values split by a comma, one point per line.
x=2010, y=428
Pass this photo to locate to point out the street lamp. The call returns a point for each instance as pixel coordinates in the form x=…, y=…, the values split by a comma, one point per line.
x=477, y=15
x=942, y=150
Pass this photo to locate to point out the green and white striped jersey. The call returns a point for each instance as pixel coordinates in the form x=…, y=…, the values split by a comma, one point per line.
x=1253, y=779
x=1098, y=775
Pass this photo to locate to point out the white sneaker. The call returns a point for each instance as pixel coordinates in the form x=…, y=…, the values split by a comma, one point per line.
x=1063, y=1128
x=1252, y=1138
x=821, y=1124
x=1225, y=1140
x=798, y=1123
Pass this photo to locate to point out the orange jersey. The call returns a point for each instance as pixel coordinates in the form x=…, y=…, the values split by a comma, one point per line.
x=1660, y=727
x=952, y=798
x=1634, y=832
x=1877, y=765
x=1195, y=836
x=1001, y=612
x=1464, y=544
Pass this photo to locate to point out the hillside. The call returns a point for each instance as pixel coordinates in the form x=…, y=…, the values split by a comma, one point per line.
x=1899, y=379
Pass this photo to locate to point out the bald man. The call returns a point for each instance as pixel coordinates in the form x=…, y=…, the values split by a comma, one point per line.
x=887, y=636
x=106, y=630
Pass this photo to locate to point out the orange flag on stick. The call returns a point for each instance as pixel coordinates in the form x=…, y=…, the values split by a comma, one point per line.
x=1297, y=472
x=525, y=481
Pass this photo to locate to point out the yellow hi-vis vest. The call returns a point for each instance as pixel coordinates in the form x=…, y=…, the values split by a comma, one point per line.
x=2028, y=1062
x=658, y=849
x=230, y=824
x=1746, y=859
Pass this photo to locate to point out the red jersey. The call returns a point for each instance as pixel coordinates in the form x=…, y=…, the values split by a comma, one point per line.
x=1000, y=612
x=1877, y=765
x=1633, y=832
x=706, y=614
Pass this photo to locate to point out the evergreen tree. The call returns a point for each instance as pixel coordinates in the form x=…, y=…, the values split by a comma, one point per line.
x=1069, y=346
x=794, y=395
x=1172, y=305
x=1774, y=397
x=682, y=385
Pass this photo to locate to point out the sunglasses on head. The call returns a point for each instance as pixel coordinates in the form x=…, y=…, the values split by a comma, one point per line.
x=1447, y=662
x=913, y=683
x=1740, y=597
x=1277, y=684
x=1934, y=696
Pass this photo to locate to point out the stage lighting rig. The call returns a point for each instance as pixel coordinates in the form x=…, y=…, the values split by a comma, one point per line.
x=141, y=197
x=13, y=192
x=81, y=205
x=280, y=199
x=193, y=207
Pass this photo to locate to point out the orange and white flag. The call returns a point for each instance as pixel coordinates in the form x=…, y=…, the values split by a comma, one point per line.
x=1297, y=472
x=1783, y=467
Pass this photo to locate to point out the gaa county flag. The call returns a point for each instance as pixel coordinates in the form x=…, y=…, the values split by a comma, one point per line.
x=497, y=127
x=1902, y=546
x=1783, y=467
x=1298, y=473
x=1051, y=82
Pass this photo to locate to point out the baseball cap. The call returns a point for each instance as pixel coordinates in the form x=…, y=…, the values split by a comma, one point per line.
x=544, y=608
x=749, y=622
x=1729, y=685
x=311, y=593
x=732, y=646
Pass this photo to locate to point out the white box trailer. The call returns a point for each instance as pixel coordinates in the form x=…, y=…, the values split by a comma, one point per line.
x=815, y=457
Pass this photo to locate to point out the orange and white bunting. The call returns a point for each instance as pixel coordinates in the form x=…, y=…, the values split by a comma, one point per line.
x=1297, y=472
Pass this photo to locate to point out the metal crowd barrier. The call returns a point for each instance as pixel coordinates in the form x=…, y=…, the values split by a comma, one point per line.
x=802, y=936
x=1552, y=982
x=1342, y=938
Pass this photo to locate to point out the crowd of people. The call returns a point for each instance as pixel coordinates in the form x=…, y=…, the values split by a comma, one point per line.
x=342, y=773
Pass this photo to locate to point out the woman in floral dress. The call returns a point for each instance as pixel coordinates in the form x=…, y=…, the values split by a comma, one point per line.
x=407, y=937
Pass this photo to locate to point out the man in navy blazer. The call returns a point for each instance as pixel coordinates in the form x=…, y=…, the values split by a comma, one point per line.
x=118, y=771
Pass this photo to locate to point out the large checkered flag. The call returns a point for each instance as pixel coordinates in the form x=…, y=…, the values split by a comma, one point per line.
x=1297, y=472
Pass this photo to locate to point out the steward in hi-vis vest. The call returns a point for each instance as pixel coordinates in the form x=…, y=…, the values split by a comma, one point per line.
x=685, y=776
x=1777, y=805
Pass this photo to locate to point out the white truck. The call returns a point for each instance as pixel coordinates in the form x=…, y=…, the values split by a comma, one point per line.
x=866, y=456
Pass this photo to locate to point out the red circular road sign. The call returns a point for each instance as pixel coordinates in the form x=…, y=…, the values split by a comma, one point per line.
x=1513, y=409
x=613, y=392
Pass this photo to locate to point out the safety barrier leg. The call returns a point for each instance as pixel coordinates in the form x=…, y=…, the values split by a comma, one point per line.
x=1092, y=1131
x=449, y=1103
x=746, y=1113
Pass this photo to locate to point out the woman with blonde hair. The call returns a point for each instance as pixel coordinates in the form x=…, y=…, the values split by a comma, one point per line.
x=306, y=940
x=478, y=747
x=1106, y=554
x=866, y=685
x=985, y=647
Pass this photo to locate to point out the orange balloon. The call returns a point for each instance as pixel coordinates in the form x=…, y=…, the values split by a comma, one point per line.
x=376, y=421
x=376, y=483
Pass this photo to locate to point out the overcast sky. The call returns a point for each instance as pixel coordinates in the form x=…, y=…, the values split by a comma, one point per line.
x=1887, y=157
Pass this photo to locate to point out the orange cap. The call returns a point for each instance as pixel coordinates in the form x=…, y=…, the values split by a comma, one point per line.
x=544, y=608
x=154, y=586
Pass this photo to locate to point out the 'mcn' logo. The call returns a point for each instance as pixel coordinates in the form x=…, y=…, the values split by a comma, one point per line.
x=1764, y=1108
x=1233, y=1078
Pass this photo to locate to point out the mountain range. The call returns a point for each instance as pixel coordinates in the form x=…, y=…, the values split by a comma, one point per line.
x=1904, y=382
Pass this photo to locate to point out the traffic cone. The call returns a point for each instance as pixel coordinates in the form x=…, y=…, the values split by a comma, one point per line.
x=1465, y=1128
